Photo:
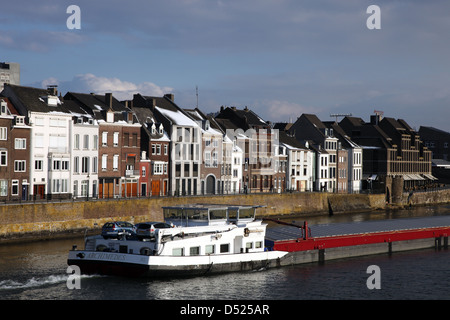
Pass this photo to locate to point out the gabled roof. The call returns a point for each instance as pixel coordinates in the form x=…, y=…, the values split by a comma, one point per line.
x=290, y=141
x=32, y=99
x=244, y=119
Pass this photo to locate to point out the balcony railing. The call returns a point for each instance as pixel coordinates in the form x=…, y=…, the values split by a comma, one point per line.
x=131, y=172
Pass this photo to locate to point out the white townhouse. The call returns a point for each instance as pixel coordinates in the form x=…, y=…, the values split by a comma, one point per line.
x=299, y=171
x=84, y=142
x=50, y=152
x=186, y=145
x=212, y=167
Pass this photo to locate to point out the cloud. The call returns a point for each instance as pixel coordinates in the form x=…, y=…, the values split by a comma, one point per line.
x=282, y=110
x=122, y=90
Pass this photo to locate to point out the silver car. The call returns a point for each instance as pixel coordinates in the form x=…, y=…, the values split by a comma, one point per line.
x=147, y=229
x=115, y=229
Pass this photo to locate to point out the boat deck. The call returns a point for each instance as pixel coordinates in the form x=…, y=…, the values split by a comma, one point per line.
x=278, y=233
x=291, y=238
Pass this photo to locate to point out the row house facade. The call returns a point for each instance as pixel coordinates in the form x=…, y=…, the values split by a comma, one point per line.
x=51, y=167
x=325, y=144
x=155, y=148
x=118, y=143
x=212, y=167
x=392, y=150
x=184, y=133
x=14, y=153
x=264, y=168
x=300, y=161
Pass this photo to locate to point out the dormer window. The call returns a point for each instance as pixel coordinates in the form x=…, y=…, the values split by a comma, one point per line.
x=4, y=108
x=153, y=129
x=161, y=129
x=20, y=120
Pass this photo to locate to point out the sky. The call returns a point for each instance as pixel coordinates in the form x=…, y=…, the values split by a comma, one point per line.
x=281, y=58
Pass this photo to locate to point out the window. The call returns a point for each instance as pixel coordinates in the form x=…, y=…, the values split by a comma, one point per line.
x=75, y=188
x=95, y=146
x=135, y=138
x=19, y=166
x=39, y=121
x=38, y=165
x=56, y=165
x=94, y=164
x=15, y=187
x=104, y=161
x=178, y=251
x=116, y=162
x=85, y=141
x=3, y=158
x=225, y=248
x=85, y=165
x=64, y=165
x=20, y=143
x=76, y=143
x=258, y=244
x=209, y=249
x=104, y=139
x=39, y=140
x=116, y=139
x=165, y=149
x=144, y=172
x=126, y=139
x=157, y=168
x=194, y=251
x=76, y=164
x=84, y=188
x=3, y=188
x=3, y=133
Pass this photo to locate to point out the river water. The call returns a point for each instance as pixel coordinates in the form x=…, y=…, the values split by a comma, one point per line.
x=38, y=271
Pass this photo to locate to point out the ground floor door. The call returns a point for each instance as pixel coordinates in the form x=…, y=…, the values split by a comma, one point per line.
x=39, y=191
x=156, y=188
x=210, y=185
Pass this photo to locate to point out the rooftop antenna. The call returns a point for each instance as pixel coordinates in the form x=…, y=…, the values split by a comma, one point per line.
x=336, y=115
x=196, y=93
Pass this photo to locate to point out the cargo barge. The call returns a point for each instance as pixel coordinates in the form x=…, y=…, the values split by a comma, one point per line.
x=306, y=244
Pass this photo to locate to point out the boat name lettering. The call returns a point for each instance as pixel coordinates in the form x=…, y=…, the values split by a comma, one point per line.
x=106, y=256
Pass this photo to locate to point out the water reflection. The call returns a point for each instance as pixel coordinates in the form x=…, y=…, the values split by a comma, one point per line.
x=37, y=270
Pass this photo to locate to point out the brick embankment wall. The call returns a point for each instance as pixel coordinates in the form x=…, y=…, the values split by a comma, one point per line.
x=438, y=196
x=41, y=220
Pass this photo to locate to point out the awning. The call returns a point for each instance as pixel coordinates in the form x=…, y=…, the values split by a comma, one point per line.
x=412, y=177
x=430, y=177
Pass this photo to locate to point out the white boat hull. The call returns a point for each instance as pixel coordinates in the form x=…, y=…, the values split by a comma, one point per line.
x=92, y=262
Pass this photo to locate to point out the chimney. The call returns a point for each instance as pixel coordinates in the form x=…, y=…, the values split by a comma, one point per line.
x=375, y=119
x=108, y=100
x=52, y=90
x=170, y=96
x=246, y=109
x=151, y=103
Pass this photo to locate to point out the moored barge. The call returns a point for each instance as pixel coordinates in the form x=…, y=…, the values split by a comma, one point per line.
x=205, y=239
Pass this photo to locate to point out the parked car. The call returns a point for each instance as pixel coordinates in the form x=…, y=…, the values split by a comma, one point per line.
x=117, y=228
x=147, y=229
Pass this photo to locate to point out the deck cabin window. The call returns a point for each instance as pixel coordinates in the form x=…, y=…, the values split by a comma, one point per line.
x=194, y=251
x=224, y=248
x=209, y=249
x=218, y=214
x=178, y=252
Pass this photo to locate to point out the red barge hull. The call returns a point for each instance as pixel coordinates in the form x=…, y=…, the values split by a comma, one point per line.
x=341, y=240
